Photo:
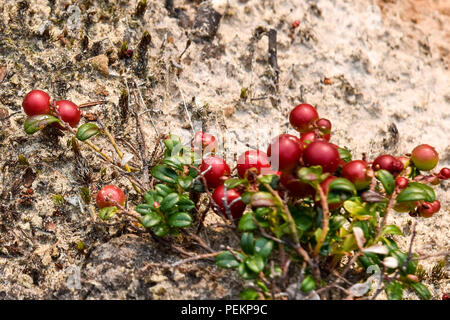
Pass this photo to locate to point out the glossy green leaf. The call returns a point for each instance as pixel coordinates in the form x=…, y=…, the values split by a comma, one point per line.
x=144, y=208
x=394, y=291
x=386, y=179
x=308, y=284
x=249, y=294
x=180, y=220
x=87, y=130
x=255, y=263
x=247, y=242
x=262, y=199
x=149, y=198
x=169, y=201
x=311, y=175
x=185, y=204
x=164, y=173
x=35, y=123
x=421, y=290
x=172, y=142
x=160, y=230
x=163, y=190
x=151, y=219
x=303, y=222
x=245, y=272
x=263, y=247
x=233, y=182
x=246, y=222
x=344, y=154
x=415, y=192
x=227, y=260
x=391, y=229
x=185, y=182
x=342, y=185
x=173, y=162
x=107, y=213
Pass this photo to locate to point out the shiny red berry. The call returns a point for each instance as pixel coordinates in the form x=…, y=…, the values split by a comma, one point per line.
x=108, y=195
x=216, y=170
x=444, y=174
x=36, y=102
x=426, y=209
x=236, y=209
x=389, y=163
x=321, y=153
x=204, y=142
x=69, y=112
x=308, y=137
x=285, y=152
x=295, y=187
x=445, y=296
x=252, y=159
x=355, y=171
x=401, y=182
x=324, y=126
x=303, y=117
x=424, y=157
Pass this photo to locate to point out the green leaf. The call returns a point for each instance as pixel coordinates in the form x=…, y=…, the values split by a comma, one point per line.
x=247, y=242
x=311, y=175
x=233, y=182
x=416, y=191
x=170, y=201
x=246, y=197
x=144, y=208
x=337, y=221
x=173, y=162
x=160, y=230
x=163, y=190
x=107, y=213
x=151, y=219
x=185, y=182
x=149, y=198
x=303, y=222
x=386, y=179
x=263, y=247
x=308, y=284
x=391, y=229
x=270, y=179
x=87, y=130
x=246, y=222
x=345, y=155
x=342, y=185
x=164, y=173
x=394, y=291
x=249, y=294
x=255, y=263
x=262, y=199
x=421, y=290
x=227, y=260
x=172, y=142
x=245, y=272
x=180, y=220
x=35, y=123
x=185, y=203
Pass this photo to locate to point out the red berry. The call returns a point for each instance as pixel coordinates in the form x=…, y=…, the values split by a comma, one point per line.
x=325, y=184
x=216, y=168
x=236, y=209
x=255, y=159
x=355, y=171
x=425, y=157
x=308, y=137
x=303, y=116
x=389, y=163
x=436, y=205
x=444, y=174
x=36, y=102
x=445, y=297
x=324, y=126
x=321, y=153
x=285, y=152
x=401, y=182
x=69, y=112
x=295, y=187
x=204, y=141
x=108, y=195
x=426, y=209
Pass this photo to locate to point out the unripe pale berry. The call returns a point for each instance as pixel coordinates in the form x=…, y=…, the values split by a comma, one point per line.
x=108, y=195
x=424, y=157
x=303, y=117
x=36, y=102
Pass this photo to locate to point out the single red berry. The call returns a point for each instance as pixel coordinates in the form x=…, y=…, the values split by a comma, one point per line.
x=108, y=195
x=355, y=171
x=204, y=142
x=303, y=116
x=215, y=170
x=445, y=297
x=69, y=112
x=255, y=159
x=426, y=209
x=444, y=174
x=296, y=187
x=389, y=163
x=321, y=153
x=324, y=126
x=424, y=157
x=236, y=209
x=308, y=137
x=156, y=204
x=295, y=24
x=285, y=152
x=325, y=185
x=436, y=205
x=36, y=102
x=401, y=182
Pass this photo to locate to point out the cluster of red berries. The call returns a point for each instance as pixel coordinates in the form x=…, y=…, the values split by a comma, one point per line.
x=287, y=153
x=38, y=102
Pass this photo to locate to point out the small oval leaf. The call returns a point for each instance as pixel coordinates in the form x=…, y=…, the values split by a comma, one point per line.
x=227, y=260
x=386, y=179
x=151, y=219
x=180, y=220
x=35, y=123
x=87, y=131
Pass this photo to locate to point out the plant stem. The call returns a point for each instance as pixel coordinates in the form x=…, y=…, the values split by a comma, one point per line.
x=325, y=220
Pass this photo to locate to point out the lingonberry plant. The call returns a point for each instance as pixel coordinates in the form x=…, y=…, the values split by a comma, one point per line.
x=305, y=213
